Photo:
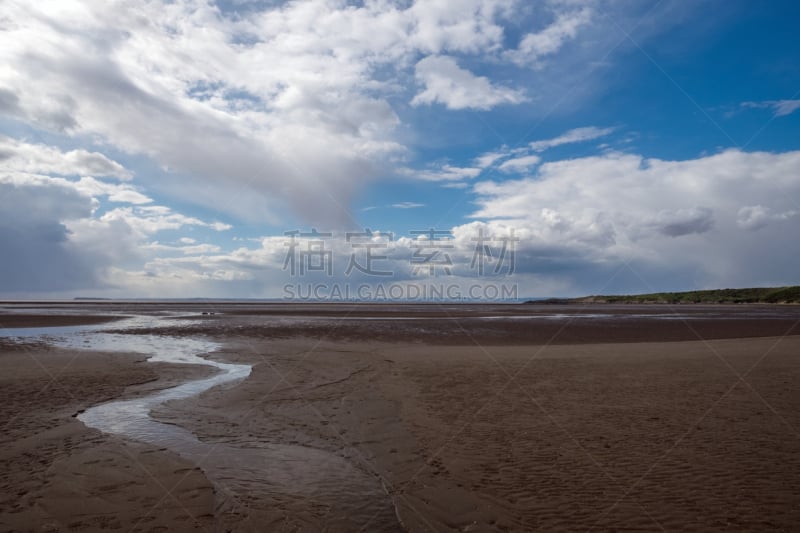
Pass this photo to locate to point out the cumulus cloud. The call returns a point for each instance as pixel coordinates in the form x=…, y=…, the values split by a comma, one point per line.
x=254, y=108
x=467, y=26
x=684, y=217
x=456, y=88
x=23, y=164
x=152, y=219
x=535, y=46
x=755, y=217
x=263, y=267
x=114, y=192
x=288, y=99
x=20, y=156
x=277, y=118
x=296, y=107
x=37, y=251
x=615, y=221
x=53, y=237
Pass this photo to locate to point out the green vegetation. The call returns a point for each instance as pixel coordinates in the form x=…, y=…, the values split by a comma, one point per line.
x=764, y=295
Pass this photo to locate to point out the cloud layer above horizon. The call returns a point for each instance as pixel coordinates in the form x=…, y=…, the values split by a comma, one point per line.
x=164, y=148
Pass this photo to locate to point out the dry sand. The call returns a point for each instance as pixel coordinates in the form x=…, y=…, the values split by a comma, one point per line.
x=463, y=433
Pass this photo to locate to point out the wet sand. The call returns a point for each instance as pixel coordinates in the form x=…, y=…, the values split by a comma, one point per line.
x=58, y=475
x=469, y=423
x=8, y=320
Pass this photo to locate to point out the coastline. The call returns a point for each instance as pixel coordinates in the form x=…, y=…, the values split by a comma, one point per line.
x=607, y=434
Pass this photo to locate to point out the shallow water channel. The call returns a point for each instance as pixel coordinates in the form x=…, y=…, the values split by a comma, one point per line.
x=245, y=477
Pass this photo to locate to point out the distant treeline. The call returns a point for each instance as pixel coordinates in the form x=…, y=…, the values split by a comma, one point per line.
x=766, y=295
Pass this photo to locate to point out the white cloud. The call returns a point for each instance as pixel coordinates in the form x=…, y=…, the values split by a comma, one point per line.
x=466, y=26
x=535, y=46
x=194, y=249
x=786, y=107
x=122, y=193
x=289, y=113
x=20, y=156
x=689, y=218
x=779, y=108
x=53, y=238
x=755, y=217
x=489, y=158
x=254, y=110
x=456, y=88
x=519, y=164
x=147, y=221
x=297, y=107
x=446, y=173
x=407, y=205
x=572, y=136
x=26, y=164
x=288, y=99
x=578, y=222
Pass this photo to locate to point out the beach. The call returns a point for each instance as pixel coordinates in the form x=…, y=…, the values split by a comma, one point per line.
x=415, y=418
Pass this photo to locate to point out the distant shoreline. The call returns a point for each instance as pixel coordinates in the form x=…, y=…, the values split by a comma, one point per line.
x=755, y=295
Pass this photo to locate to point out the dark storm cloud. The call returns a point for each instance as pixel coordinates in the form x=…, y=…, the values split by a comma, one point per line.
x=37, y=254
x=680, y=223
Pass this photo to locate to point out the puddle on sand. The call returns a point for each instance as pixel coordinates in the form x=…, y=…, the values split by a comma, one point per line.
x=352, y=497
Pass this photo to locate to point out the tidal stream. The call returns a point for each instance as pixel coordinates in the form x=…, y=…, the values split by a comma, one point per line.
x=345, y=497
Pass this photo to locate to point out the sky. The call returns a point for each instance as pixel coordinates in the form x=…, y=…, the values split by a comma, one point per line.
x=478, y=149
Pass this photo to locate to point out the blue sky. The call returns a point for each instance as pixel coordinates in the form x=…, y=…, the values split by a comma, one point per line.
x=164, y=149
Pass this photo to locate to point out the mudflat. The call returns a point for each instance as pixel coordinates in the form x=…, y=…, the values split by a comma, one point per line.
x=58, y=475
x=466, y=418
